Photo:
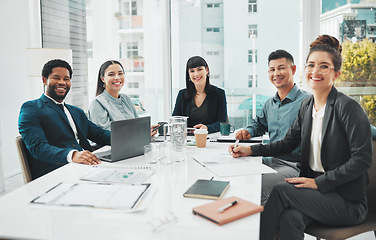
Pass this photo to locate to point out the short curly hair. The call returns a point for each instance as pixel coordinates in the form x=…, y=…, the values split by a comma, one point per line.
x=47, y=68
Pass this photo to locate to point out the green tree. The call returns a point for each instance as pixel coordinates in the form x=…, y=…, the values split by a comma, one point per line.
x=369, y=105
x=359, y=64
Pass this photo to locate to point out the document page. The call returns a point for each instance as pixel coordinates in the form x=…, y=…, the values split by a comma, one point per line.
x=98, y=195
x=222, y=164
x=118, y=175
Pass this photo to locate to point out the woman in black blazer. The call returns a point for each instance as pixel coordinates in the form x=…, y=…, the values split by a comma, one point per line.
x=204, y=104
x=336, y=152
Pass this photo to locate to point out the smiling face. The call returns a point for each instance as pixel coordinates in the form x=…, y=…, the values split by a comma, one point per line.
x=58, y=83
x=198, y=75
x=320, y=82
x=113, y=78
x=281, y=72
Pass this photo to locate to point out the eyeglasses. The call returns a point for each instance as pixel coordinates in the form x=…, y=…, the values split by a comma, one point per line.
x=323, y=68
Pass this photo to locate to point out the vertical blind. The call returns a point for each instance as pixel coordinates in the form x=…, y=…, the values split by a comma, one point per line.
x=64, y=26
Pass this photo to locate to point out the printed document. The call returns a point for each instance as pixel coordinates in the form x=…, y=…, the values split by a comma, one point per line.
x=97, y=195
x=118, y=175
x=223, y=164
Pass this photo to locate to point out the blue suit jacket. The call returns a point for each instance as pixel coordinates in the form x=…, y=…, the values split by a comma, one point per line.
x=48, y=136
x=217, y=107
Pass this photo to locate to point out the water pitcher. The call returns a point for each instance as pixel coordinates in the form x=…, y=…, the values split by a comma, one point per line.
x=178, y=135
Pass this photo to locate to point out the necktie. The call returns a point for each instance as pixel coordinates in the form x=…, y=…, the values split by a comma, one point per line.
x=81, y=139
x=61, y=106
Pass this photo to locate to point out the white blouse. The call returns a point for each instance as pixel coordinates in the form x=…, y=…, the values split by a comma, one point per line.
x=316, y=138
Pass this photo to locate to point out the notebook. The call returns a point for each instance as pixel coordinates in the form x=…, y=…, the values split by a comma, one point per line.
x=207, y=189
x=128, y=138
x=241, y=209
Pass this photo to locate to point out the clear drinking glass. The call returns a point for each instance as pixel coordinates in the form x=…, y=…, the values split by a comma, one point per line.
x=151, y=154
x=165, y=153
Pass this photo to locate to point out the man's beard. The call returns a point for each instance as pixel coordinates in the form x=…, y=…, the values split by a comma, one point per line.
x=52, y=93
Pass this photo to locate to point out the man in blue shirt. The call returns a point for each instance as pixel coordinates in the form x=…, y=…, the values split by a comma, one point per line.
x=277, y=115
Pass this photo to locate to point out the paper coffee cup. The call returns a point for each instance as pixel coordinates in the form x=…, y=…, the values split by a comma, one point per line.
x=200, y=137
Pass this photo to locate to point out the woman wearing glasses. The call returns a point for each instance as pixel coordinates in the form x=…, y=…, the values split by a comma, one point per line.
x=336, y=145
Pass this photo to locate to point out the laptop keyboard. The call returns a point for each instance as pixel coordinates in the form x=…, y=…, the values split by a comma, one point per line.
x=107, y=156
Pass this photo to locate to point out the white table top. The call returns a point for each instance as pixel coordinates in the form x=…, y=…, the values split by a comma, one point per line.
x=19, y=219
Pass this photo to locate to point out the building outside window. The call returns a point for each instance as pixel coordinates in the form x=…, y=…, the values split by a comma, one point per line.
x=128, y=7
x=250, y=81
x=250, y=56
x=252, y=30
x=133, y=85
x=212, y=53
x=252, y=6
x=132, y=49
x=212, y=29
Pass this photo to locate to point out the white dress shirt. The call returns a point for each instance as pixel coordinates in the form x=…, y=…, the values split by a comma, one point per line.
x=316, y=139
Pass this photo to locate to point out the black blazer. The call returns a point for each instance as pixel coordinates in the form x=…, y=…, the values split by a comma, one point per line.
x=346, y=150
x=217, y=107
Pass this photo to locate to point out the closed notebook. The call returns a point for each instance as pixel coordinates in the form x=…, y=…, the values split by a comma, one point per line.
x=208, y=189
x=242, y=209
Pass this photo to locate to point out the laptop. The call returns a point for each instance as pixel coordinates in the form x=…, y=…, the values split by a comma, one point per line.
x=128, y=138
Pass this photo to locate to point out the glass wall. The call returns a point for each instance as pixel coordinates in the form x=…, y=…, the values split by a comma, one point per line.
x=235, y=40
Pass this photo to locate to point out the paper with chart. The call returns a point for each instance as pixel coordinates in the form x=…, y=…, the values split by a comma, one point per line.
x=96, y=195
x=222, y=164
x=118, y=175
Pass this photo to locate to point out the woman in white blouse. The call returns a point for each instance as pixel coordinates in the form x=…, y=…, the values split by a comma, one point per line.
x=335, y=136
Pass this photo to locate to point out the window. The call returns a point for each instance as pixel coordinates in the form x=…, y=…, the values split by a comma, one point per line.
x=252, y=30
x=252, y=6
x=133, y=85
x=212, y=5
x=250, y=81
x=58, y=19
x=212, y=29
x=212, y=53
x=132, y=49
x=128, y=8
x=250, y=56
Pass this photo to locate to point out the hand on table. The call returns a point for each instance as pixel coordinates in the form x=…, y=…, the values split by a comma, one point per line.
x=242, y=135
x=85, y=157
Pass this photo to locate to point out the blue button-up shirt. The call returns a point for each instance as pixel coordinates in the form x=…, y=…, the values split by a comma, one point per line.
x=277, y=117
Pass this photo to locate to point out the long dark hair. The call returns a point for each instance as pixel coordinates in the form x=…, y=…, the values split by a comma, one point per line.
x=194, y=62
x=102, y=69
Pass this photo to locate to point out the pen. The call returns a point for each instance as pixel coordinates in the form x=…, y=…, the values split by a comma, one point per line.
x=211, y=178
x=236, y=144
x=222, y=209
x=155, y=129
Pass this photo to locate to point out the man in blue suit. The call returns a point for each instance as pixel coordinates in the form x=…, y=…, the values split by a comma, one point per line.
x=54, y=132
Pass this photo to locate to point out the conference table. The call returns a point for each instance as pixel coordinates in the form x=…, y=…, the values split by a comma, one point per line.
x=167, y=207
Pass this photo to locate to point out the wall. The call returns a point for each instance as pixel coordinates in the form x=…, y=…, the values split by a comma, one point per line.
x=16, y=35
